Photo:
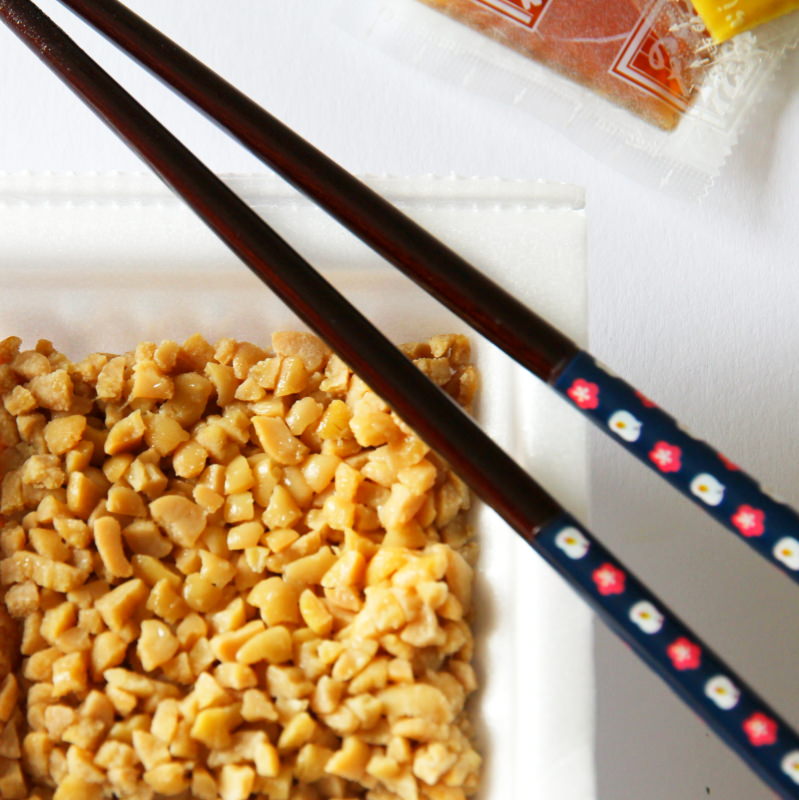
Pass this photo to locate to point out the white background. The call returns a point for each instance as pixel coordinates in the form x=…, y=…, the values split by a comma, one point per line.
x=695, y=304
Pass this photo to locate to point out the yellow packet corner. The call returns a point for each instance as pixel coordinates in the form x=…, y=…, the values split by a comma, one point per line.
x=728, y=18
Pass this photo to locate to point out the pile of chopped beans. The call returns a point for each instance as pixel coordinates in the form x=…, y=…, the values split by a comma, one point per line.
x=229, y=572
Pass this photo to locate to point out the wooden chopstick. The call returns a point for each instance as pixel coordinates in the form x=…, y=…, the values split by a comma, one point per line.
x=694, y=468
x=752, y=729
x=488, y=308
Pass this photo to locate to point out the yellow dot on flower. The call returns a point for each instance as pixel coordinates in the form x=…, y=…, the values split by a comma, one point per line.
x=702, y=488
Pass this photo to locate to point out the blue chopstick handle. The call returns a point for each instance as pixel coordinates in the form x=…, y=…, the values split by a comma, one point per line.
x=694, y=468
x=723, y=701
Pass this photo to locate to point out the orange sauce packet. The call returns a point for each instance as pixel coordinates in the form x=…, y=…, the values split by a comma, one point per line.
x=645, y=56
x=687, y=93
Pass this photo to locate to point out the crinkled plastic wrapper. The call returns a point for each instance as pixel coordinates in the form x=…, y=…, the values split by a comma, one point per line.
x=643, y=72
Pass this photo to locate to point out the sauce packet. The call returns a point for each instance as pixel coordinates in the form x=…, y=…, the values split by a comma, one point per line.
x=641, y=83
x=646, y=60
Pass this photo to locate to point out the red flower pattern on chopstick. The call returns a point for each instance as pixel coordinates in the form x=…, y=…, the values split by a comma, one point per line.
x=666, y=457
x=760, y=729
x=749, y=521
x=684, y=654
x=609, y=579
x=584, y=393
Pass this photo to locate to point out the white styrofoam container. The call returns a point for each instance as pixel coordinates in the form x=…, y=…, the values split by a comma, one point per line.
x=100, y=262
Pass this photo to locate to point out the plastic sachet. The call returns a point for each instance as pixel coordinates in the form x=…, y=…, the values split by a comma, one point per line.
x=641, y=83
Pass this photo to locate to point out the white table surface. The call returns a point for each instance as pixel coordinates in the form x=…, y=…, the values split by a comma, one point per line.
x=697, y=305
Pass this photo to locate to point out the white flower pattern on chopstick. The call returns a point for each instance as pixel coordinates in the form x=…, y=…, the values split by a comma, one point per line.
x=625, y=426
x=646, y=617
x=707, y=489
x=786, y=550
x=735, y=501
x=674, y=650
x=723, y=692
x=572, y=542
x=790, y=765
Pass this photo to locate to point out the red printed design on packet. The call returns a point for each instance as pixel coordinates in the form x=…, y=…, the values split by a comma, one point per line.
x=525, y=12
x=651, y=58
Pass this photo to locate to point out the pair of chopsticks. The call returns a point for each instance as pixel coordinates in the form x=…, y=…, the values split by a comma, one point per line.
x=697, y=470
x=694, y=672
